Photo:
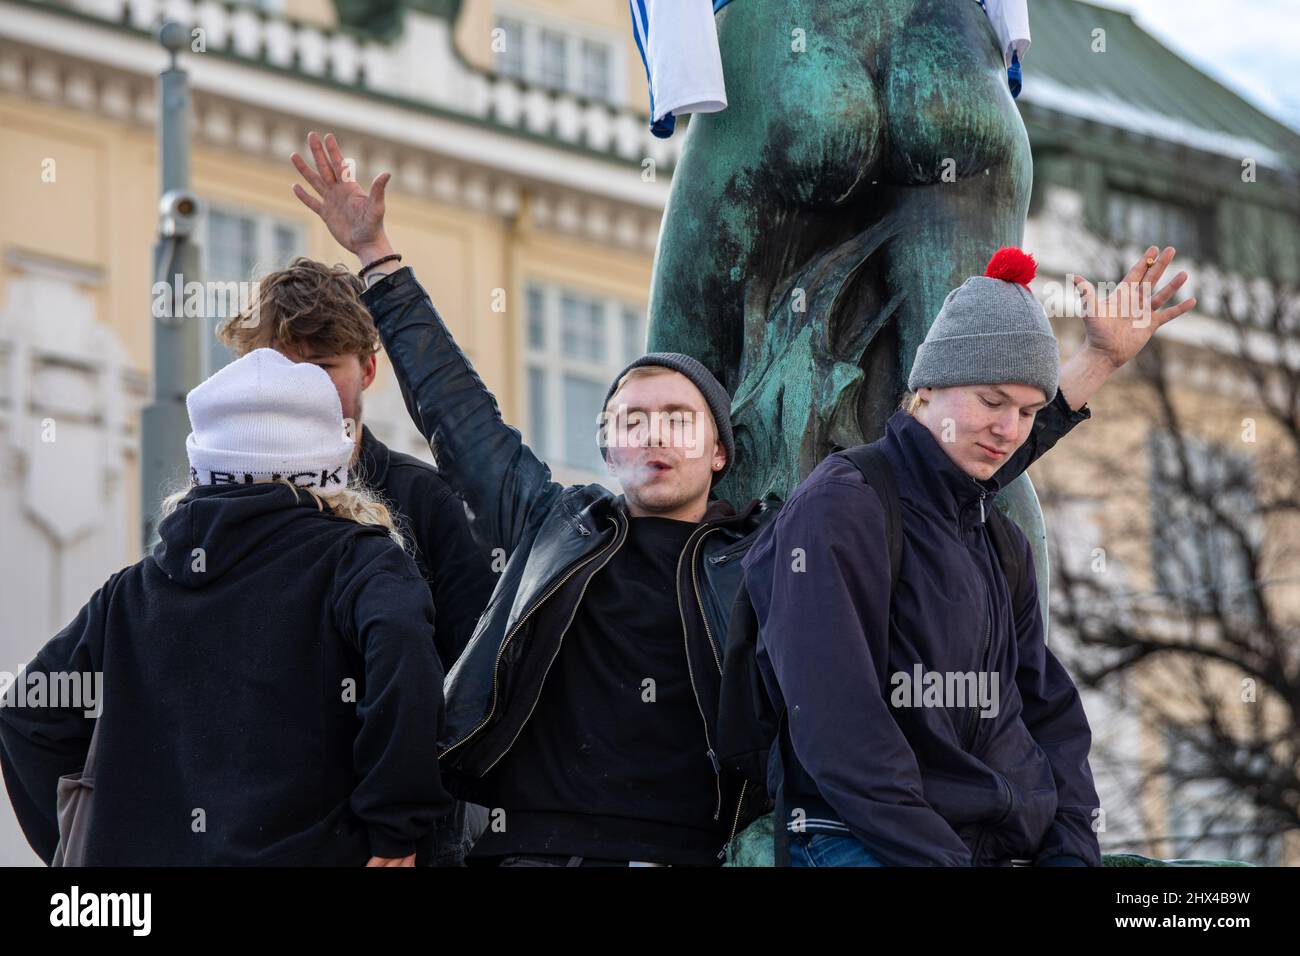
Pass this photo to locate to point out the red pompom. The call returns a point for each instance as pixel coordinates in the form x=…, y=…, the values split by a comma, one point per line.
x=1013, y=265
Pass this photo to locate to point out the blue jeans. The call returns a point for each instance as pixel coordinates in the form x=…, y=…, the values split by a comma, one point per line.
x=826, y=849
x=455, y=834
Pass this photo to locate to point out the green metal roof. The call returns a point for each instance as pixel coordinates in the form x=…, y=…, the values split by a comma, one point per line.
x=1139, y=83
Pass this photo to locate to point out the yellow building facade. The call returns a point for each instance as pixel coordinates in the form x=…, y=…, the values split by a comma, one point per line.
x=527, y=195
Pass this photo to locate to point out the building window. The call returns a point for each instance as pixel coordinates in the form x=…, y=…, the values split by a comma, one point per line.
x=595, y=70
x=555, y=54
x=510, y=53
x=633, y=333
x=238, y=246
x=1196, y=557
x=582, y=325
x=558, y=59
x=1141, y=220
x=576, y=343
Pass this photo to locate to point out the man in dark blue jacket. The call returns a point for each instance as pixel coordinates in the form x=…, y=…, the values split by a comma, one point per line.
x=930, y=724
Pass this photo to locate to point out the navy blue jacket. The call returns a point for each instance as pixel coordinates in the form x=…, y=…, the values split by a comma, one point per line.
x=224, y=692
x=918, y=785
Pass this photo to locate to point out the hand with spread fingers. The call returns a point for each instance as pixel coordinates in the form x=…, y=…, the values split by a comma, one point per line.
x=1120, y=326
x=354, y=217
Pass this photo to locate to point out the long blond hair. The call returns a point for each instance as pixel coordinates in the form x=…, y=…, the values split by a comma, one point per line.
x=355, y=502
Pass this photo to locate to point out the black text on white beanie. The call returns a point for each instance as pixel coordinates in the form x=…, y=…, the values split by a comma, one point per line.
x=264, y=417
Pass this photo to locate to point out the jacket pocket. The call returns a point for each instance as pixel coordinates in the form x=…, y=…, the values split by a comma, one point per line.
x=1031, y=809
x=1010, y=797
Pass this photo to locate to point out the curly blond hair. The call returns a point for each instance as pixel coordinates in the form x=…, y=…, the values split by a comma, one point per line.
x=308, y=308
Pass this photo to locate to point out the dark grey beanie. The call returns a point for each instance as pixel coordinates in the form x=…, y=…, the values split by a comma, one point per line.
x=990, y=329
x=715, y=396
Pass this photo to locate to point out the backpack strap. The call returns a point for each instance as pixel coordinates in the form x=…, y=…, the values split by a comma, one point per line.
x=879, y=474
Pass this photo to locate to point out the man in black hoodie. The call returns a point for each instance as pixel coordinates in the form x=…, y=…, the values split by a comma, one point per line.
x=271, y=692
x=312, y=312
x=618, y=604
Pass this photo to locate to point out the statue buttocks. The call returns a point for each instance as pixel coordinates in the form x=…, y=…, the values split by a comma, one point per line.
x=870, y=159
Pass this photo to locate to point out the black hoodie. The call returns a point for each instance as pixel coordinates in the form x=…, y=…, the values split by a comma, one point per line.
x=271, y=695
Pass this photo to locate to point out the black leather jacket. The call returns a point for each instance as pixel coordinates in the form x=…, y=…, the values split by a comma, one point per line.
x=553, y=539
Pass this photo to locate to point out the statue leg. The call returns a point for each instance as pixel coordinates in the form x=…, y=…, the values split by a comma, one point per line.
x=764, y=192
x=960, y=173
x=697, y=288
x=762, y=184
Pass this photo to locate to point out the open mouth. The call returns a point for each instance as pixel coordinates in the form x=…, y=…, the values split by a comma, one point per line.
x=658, y=467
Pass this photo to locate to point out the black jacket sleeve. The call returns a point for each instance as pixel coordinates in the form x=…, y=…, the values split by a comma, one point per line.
x=40, y=743
x=507, y=487
x=460, y=578
x=387, y=613
x=1053, y=422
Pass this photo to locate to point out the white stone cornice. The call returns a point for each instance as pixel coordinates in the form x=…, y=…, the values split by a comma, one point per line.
x=421, y=66
x=434, y=156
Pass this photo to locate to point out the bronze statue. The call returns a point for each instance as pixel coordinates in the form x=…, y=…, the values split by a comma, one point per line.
x=870, y=159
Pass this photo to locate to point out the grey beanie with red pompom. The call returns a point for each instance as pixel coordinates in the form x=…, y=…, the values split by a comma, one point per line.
x=990, y=330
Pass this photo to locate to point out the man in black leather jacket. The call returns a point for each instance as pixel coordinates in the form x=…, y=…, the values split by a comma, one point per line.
x=582, y=713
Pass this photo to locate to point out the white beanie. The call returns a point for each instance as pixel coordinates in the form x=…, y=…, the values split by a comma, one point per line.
x=265, y=417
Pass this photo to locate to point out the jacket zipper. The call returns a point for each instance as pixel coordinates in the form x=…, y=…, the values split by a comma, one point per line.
x=988, y=633
x=728, y=555
x=699, y=602
x=984, y=663
x=690, y=670
x=722, y=854
x=509, y=637
x=610, y=557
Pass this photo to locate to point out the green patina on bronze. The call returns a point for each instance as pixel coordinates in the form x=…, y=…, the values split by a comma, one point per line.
x=814, y=227
x=864, y=167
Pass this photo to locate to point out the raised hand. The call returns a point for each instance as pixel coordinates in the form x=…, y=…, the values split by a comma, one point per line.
x=1121, y=326
x=354, y=218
